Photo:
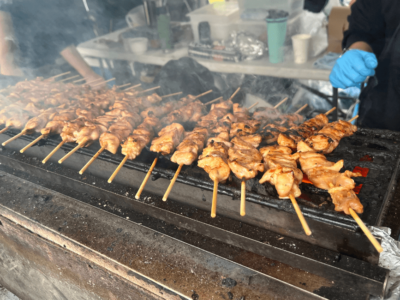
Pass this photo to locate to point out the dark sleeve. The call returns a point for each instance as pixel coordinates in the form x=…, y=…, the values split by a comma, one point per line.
x=366, y=23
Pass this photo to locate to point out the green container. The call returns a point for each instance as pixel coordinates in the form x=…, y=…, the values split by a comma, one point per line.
x=276, y=30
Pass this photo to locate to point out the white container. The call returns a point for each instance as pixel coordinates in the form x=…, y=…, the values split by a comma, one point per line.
x=259, y=28
x=220, y=16
x=136, y=45
x=293, y=7
x=301, y=46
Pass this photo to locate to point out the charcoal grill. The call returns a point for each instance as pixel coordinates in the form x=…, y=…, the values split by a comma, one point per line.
x=333, y=233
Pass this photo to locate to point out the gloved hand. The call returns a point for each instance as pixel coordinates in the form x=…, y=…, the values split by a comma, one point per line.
x=353, y=68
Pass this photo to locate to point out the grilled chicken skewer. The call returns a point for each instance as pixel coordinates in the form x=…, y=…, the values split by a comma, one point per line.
x=112, y=141
x=140, y=138
x=188, y=151
x=295, y=134
x=282, y=172
x=327, y=139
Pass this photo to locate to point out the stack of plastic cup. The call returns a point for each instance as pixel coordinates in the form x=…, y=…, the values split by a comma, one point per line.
x=276, y=30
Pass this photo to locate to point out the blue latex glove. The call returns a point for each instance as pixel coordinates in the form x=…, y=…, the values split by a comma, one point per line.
x=353, y=68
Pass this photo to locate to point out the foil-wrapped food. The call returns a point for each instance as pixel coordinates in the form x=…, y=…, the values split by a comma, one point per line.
x=248, y=45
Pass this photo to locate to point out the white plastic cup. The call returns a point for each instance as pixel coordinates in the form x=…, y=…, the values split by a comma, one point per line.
x=301, y=46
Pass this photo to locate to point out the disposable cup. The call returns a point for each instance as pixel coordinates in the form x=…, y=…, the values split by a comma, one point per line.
x=301, y=46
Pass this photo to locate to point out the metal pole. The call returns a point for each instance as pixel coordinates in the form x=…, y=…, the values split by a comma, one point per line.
x=335, y=103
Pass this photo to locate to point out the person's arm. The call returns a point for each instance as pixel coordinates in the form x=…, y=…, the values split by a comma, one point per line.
x=366, y=27
x=362, y=41
x=74, y=58
x=8, y=65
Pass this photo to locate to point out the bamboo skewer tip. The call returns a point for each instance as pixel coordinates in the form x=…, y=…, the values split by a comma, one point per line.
x=301, y=109
x=80, y=145
x=214, y=200
x=31, y=144
x=353, y=118
x=251, y=106
x=118, y=169
x=92, y=160
x=329, y=111
x=4, y=130
x=243, y=199
x=146, y=178
x=14, y=138
x=303, y=221
x=212, y=101
x=172, y=183
x=52, y=152
x=281, y=102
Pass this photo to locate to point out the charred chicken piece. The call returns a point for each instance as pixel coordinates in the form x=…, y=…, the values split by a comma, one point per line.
x=295, y=134
x=134, y=144
x=244, y=159
x=244, y=128
x=323, y=173
x=328, y=138
x=168, y=138
x=281, y=170
x=188, y=150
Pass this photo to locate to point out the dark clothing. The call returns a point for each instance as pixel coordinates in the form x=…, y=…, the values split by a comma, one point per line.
x=377, y=23
x=43, y=28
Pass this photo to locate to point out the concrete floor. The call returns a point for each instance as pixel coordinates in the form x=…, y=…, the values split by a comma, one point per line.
x=7, y=295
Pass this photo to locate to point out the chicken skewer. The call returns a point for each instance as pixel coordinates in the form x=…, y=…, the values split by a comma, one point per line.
x=189, y=149
x=143, y=135
x=295, y=134
x=323, y=174
x=282, y=172
x=105, y=144
x=327, y=139
x=120, y=108
x=244, y=158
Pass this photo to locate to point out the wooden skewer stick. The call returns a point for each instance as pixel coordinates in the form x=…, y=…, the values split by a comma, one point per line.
x=250, y=107
x=151, y=89
x=212, y=101
x=243, y=199
x=31, y=144
x=172, y=183
x=300, y=215
x=132, y=87
x=329, y=111
x=4, y=130
x=123, y=85
x=80, y=145
x=52, y=152
x=14, y=137
x=364, y=228
x=146, y=178
x=59, y=75
x=281, y=102
x=352, y=119
x=103, y=82
x=79, y=80
x=170, y=95
x=234, y=94
x=89, y=82
x=301, y=109
x=69, y=78
x=118, y=169
x=366, y=231
x=214, y=200
x=92, y=160
x=203, y=94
